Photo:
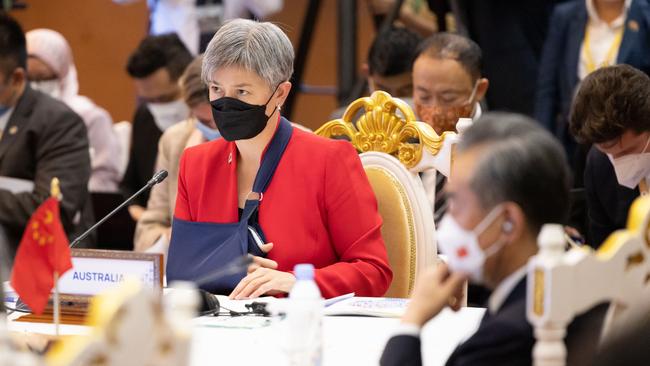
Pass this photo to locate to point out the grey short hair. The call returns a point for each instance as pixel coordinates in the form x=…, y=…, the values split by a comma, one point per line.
x=523, y=164
x=260, y=47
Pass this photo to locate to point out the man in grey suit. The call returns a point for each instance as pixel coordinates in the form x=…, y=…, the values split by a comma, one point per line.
x=40, y=138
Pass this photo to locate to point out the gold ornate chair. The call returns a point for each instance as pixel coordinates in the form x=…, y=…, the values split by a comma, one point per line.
x=562, y=285
x=394, y=148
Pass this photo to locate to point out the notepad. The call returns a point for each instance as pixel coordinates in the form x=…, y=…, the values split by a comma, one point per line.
x=383, y=307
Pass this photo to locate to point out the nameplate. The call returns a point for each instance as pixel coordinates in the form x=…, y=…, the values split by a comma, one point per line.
x=95, y=271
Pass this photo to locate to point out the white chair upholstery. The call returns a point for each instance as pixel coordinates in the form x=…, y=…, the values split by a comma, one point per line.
x=394, y=148
x=562, y=285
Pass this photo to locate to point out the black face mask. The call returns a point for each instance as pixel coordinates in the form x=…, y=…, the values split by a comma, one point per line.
x=238, y=120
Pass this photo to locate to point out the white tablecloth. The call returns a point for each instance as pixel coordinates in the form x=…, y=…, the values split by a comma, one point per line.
x=346, y=340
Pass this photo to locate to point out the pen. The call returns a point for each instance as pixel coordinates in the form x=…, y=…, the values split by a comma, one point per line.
x=334, y=300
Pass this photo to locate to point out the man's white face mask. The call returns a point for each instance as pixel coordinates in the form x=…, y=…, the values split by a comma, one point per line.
x=632, y=168
x=461, y=246
x=49, y=87
x=167, y=114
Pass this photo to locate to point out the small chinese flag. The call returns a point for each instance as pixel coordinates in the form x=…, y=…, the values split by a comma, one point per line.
x=43, y=251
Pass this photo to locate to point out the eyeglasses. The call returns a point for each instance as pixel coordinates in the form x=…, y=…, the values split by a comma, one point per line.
x=451, y=102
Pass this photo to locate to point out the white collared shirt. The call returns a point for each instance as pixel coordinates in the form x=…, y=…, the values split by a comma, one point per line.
x=601, y=38
x=503, y=290
x=4, y=119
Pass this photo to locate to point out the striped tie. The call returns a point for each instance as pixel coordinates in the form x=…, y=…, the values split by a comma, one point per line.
x=440, y=204
x=434, y=184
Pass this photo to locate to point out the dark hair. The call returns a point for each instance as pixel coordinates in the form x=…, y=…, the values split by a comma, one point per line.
x=455, y=47
x=13, y=47
x=524, y=164
x=392, y=52
x=154, y=52
x=193, y=88
x=610, y=100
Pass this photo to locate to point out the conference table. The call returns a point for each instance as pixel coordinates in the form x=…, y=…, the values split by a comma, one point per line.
x=347, y=340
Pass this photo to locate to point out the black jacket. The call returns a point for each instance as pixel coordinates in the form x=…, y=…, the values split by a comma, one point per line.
x=44, y=139
x=142, y=157
x=505, y=338
x=608, y=202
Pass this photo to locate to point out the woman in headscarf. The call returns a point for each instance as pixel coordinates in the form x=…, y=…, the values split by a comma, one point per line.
x=51, y=70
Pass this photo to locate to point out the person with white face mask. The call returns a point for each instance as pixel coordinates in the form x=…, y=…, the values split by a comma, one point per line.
x=40, y=138
x=611, y=111
x=154, y=227
x=510, y=177
x=155, y=66
x=51, y=70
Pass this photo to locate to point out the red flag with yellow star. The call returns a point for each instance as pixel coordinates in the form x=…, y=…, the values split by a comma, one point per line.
x=43, y=250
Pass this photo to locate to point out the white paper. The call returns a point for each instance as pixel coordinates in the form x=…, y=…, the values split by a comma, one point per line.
x=384, y=307
x=16, y=185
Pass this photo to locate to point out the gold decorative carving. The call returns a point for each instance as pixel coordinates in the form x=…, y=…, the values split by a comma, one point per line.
x=538, y=292
x=386, y=125
x=408, y=211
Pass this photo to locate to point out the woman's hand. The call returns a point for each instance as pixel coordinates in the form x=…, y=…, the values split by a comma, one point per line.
x=263, y=281
x=263, y=278
x=136, y=212
x=261, y=262
x=435, y=289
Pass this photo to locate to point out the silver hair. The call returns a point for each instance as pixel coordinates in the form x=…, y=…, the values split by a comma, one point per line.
x=524, y=164
x=261, y=47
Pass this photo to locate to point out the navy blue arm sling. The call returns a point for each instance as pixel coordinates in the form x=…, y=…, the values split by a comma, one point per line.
x=199, y=248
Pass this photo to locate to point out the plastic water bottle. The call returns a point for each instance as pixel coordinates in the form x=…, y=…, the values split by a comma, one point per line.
x=304, y=319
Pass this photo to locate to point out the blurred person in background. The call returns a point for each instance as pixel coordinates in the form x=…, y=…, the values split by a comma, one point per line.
x=155, y=66
x=51, y=70
x=447, y=81
x=586, y=35
x=447, y=85
x=154, y=226
x=415, y=15
x=389, y=63
x=196, y=21
x=610, y=113
x=40, y=138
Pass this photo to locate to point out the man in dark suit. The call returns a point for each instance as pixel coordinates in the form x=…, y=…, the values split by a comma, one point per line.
x=564, y=57
x=611, y=112
x=510, y=178
x=40, y=138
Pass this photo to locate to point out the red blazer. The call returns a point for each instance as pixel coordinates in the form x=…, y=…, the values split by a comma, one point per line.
x=318, y=208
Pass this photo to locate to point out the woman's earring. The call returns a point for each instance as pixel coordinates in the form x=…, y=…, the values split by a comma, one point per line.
x=279, y=107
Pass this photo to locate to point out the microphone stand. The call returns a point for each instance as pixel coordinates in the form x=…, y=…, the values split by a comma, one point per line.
x=237, y=265
x=158, y=177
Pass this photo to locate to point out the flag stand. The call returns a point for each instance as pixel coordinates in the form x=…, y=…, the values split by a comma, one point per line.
x=55, y=191
x=57, y=304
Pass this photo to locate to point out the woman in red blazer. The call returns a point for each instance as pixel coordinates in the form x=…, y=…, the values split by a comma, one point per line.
x=317, y=208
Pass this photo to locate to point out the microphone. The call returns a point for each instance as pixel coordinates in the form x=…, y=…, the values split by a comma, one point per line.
x=157, y=178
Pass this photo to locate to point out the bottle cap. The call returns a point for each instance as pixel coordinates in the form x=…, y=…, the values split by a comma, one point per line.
x=304, y=272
